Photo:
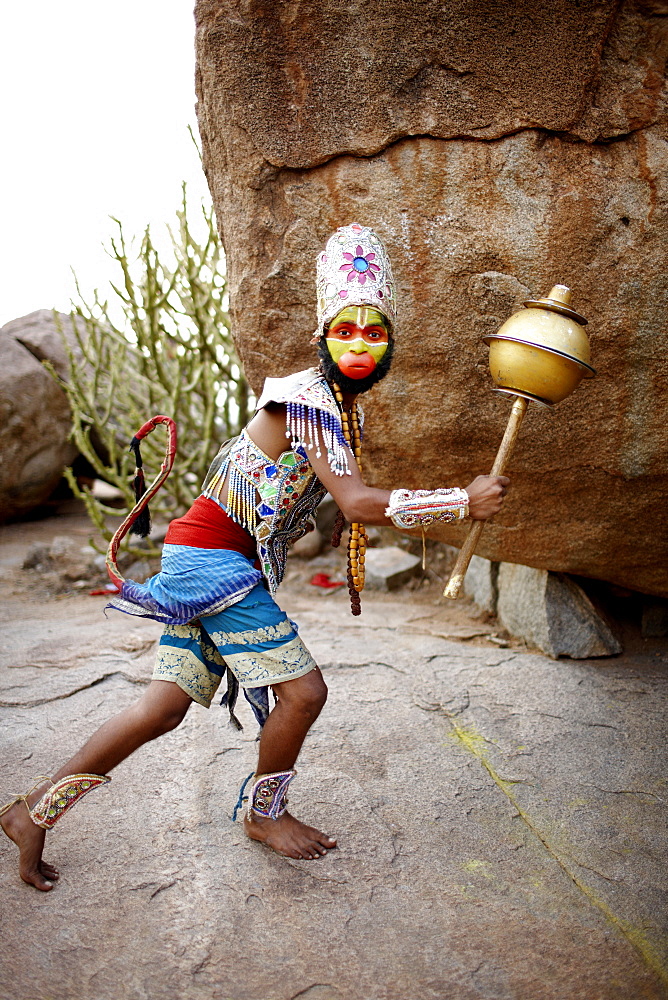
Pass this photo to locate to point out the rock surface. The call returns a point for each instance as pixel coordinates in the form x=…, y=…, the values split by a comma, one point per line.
x=655, y=619
x=481, y=583
x=41, y=332
x=34, y=414
x=497, y=150
x=552, y=612
x=389, y=567
x=501, y=817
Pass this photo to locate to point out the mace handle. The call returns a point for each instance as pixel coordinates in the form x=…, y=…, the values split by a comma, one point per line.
x=502, y=456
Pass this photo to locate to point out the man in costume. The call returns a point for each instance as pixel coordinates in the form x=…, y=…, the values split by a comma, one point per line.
x=223, y=561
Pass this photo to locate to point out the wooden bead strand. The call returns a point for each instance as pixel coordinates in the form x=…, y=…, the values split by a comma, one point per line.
x=357, y=530
x=357, y=543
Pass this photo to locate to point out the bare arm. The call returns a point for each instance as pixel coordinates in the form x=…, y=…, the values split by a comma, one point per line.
x=358, y=501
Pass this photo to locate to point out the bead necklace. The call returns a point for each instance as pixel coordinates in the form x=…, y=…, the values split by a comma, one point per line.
x=357, y=542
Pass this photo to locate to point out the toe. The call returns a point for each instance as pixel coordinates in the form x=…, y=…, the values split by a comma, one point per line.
x=49, y=871
x=38, y=880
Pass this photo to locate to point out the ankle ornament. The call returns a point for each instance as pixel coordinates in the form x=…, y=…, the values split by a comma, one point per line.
x=268, y=796
x=62, y=795
x=420, y=508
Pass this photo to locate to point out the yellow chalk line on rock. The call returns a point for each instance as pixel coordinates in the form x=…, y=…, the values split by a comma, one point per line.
x=474, y=742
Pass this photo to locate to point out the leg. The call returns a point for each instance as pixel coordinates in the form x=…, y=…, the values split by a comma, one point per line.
x=161, y=708
x=299, y=704
x=256, y=640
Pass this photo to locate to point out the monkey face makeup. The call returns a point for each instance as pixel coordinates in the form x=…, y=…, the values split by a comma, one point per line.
x=357, y=340
x=357, y=351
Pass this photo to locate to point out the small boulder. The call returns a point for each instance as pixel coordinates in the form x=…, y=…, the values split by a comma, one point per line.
x=552, y=612
x=35, y=418
x=38, y=556
x=308, y=546
x=34, y=428
x=42, y=334
x=481, y=583
x=389, y=568
x=70, y=559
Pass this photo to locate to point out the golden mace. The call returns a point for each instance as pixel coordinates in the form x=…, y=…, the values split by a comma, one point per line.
x=540, y=354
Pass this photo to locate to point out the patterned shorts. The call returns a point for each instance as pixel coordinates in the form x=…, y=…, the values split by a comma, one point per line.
x=253, y=637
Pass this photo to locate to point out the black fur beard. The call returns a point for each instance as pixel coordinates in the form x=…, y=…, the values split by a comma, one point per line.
x=354, y=386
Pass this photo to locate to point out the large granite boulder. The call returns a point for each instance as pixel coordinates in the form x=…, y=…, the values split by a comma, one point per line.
x=497, y=150
x=35, y=416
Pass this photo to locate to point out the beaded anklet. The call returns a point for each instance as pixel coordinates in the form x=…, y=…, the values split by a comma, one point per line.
x=268, y=796
x=62, y=795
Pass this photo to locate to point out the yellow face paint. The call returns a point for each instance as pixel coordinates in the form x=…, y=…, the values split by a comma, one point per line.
x=358, y=330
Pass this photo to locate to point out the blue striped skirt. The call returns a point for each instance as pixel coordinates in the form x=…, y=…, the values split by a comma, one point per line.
x=192, y=582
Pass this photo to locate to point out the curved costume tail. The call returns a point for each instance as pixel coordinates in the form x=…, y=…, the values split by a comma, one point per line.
x=141, y=507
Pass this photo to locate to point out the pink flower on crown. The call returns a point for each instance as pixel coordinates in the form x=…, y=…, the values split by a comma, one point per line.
x=360, y=265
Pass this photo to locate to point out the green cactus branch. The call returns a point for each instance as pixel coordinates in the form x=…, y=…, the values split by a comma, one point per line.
x=170, y=352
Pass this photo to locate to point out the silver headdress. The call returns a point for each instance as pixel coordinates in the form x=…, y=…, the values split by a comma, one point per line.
x=354, y=270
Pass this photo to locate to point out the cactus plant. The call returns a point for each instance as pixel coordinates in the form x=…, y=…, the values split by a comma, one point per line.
x=159, y=343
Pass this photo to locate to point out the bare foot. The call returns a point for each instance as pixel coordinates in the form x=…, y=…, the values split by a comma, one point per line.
x=29, y=839
x=288, y=836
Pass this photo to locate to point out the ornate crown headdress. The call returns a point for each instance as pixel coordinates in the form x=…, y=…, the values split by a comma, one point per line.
x=354, y=270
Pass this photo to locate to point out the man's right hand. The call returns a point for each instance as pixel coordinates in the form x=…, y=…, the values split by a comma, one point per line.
x=486, y=494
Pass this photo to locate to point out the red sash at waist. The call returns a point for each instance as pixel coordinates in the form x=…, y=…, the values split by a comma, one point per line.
x=207, y=526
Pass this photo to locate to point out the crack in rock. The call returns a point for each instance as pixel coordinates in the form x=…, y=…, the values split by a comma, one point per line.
x=314, y=992
x=35, y=702
x=627, y=791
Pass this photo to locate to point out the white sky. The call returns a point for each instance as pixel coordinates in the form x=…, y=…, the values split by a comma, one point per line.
x=96, y=100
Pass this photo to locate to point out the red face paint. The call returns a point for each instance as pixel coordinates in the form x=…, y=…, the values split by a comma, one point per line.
x=356, y=365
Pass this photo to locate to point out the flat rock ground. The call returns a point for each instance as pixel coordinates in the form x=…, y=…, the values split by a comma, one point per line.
x=501, y=816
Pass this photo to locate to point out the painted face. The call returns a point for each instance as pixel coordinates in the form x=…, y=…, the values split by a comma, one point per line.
x=357, y=340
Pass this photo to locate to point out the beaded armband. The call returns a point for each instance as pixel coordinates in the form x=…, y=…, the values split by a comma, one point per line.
x=413, y=508
x=268, y=796
x=62, y=796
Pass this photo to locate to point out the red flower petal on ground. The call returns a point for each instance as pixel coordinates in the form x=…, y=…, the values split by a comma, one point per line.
x=323, y=580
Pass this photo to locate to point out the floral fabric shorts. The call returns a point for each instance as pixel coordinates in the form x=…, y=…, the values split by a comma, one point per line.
x=253, y=637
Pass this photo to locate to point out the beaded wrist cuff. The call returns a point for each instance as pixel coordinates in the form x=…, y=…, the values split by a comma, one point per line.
x=411, y=508
x=268, y=795
x=62, y=796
